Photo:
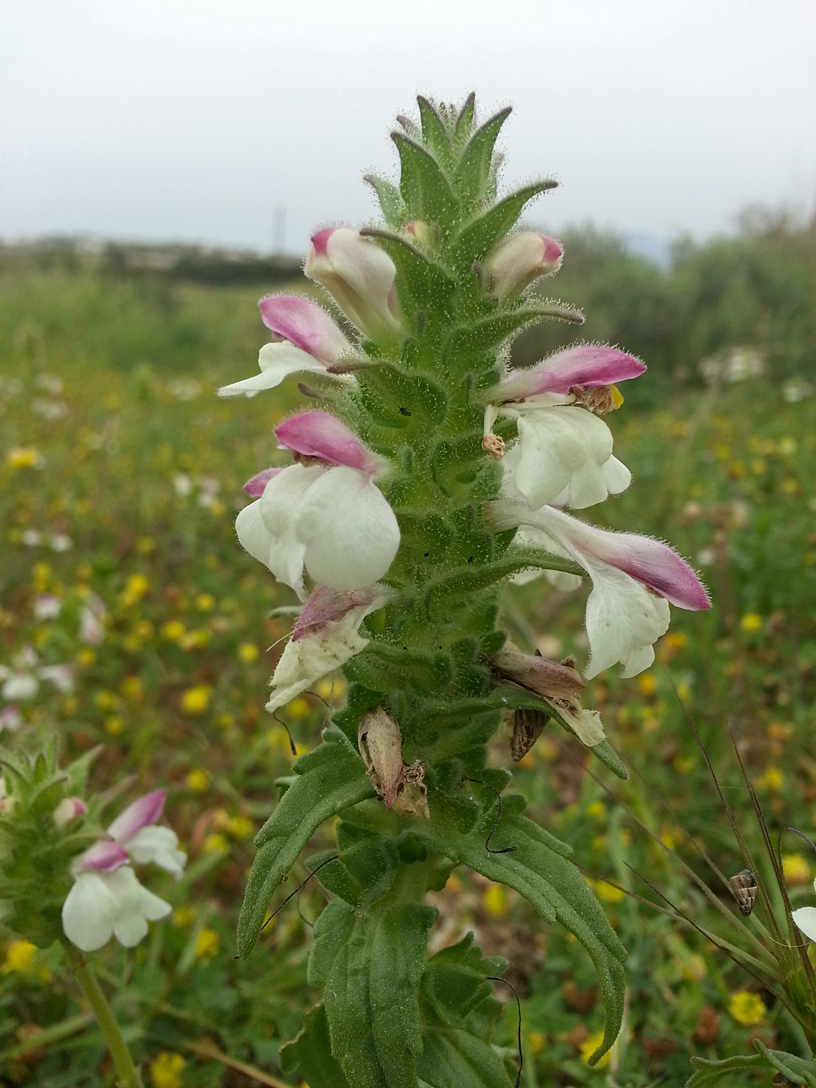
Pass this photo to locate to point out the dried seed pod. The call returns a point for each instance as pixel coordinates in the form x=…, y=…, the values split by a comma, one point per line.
x=744, y=887
x=528, y=725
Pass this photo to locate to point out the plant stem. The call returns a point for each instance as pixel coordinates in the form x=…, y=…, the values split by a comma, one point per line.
x=126, y=1072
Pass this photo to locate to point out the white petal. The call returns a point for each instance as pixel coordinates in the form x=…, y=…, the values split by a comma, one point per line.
x=622, y=617
x=307, y=660
x=277, y=361
x=805, y=919
x=563, y=448
x=536, y=538
x=284, y=498
x=350, y=532
x=20, y=685
x=88, y=912
x=135, y=906
x=159, y=845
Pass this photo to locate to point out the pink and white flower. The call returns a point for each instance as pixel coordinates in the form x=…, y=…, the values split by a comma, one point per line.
x=106, y=898
x=563, y=455
x=312, y=343
x=633, y=579
x=325, y=637
x=518, y=261
x=360, y=277
x=327, y=518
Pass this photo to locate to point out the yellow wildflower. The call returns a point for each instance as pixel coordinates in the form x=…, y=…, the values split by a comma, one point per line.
x=195, y=640
x=772, y=780
x=496, y=900
x=114, y=726
x=23, y=457
x=746, y=1008
x=205, y=602
x=85, y=657
x=105, y=700
x=790, y=486
x=225, y=720
x=677, y=640
x=136, y=587
x=298, y=708
x=207, y=944
x=247, y=652
x=183, y=916
x=132, y=688
x=40, y=577
x=795, y=869
x=166, y=1070
x=646, y=683
x=215, y=843
x=588, y=1048
x=240, y=827
x=197, y=780
x=19, y=957
x=145, y=545
x=173, y=631
x=195, y=701
x=608, y=892
x=751, y=622
x=536, y=1041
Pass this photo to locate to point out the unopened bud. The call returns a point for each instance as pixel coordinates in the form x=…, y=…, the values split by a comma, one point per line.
x=68, y=809
x=519, y=260
x=419, y=232
x=360, y=276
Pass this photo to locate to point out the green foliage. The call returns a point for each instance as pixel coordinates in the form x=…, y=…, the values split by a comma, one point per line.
x=795, y=1070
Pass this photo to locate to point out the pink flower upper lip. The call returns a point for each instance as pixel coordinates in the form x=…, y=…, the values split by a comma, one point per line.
x=319, y=434
x=306, y=325
x=590, y=365
x=146, y=810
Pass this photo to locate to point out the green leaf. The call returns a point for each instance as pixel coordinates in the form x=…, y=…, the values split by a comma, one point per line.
x=310, y=1056
x=331, y=778
x=554, y=886
x=428, y=283
x=797, y=1070
x=424, y=187
x=371, y=996
x=459, y=1013
x=331, y=931
x=480, y=236
x=474, y=170
x=464, y=122
x=490, y=333
x=390, y=200
x=434, y=133
x=708, y=1073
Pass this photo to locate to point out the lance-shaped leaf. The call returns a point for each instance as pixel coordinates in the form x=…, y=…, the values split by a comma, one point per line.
x=424, y=187
x=434, y=133
x=371, y=996
x=477, y=239
x=797, y=1070
x=720, y=1074
x=329, y=779
x=490, y=333
x=390, y=199
x=553, y=885
x=474, y=169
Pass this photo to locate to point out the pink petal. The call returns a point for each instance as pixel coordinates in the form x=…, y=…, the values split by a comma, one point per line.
x=103, y=857
x=650, y=562
x=326, y=606
x=320, y=241
x=145, y=811
x=304, y=324
x=318, y=434
x=586, y=364
x=255, y=486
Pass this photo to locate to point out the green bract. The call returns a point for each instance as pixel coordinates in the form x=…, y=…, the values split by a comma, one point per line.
x=391, y=1016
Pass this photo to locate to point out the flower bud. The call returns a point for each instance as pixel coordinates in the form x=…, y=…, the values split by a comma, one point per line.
x=419, y=232
x=68, y=809
x=360, y=277
x=380, y=743
x=519, y=260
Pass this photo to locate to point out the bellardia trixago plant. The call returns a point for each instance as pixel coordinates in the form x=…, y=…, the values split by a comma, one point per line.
x=429, y=476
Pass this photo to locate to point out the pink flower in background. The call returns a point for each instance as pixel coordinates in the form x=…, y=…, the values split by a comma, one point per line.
x=312, y=343
x=106, y=898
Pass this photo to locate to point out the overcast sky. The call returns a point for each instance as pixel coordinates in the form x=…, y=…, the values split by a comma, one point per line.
x=203, y=120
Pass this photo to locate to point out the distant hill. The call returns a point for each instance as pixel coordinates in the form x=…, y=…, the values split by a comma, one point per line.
x=195, y=264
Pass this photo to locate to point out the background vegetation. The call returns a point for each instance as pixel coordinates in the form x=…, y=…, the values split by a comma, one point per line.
x=120, y=476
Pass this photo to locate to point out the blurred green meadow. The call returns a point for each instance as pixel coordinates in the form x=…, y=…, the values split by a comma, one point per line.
x=120, y=478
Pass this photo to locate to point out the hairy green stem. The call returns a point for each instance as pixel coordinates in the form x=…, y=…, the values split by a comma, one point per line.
x=126, y=1072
